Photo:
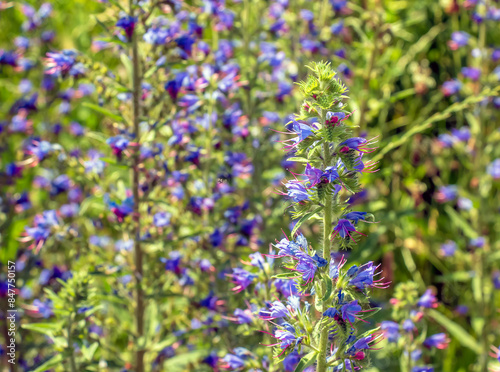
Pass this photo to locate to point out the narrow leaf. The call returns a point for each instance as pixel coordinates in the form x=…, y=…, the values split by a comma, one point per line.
x=53, y=362
x=286, y=275
x=306, y=361
x=304, y=219
x=103, y=111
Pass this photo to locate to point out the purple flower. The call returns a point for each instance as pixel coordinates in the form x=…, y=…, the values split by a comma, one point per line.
x=391, y=330
x=69, y=210
x=350, y=310
x=307, y=268
x=313, y=175
x=451, y=87
x=408, y=325
x=8, y=58
x=212, y=360
x=161, y=219
x=458, y=39
x=173, y=86
x=286, y=337
x=43, y=308
x=423, y=369
x=428, y=300
x=355, y=216
x=241, y=278
x=331, y=174
x=439, y=341
x=343, y=227
x=185, y=43
x=291, y=361
x=471, y=73
x=60, y=184
x=60, y=62
x=464, y=203
x=173, y=262
x=447, y=193
x=357, y=143
x=478, y=242
x=496, y=279
x=122, y=210
x=494, y=169
x=243, y=316
x=462, y=134
x=128, y=25
x=232, y=362
x=118, y=144
x=297, y=192
x=331, y=312
x=364, y=276
x=276, y=310
x=448, y=249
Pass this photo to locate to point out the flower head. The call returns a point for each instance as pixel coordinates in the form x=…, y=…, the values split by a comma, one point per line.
x=439, y=341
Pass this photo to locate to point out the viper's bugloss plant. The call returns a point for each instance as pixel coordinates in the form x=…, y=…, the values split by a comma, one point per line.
x=323, y=314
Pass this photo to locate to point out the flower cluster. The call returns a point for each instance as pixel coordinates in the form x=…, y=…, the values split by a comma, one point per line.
x=333, y=161
x=407, y=332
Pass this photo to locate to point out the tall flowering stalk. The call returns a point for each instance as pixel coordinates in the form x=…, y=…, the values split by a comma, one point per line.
x=333, y=163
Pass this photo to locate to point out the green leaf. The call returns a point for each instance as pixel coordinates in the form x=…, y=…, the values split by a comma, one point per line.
x=180, y=362
x=304, y=219
x=88, y=352
x=103, y=111
x=52, y=362
x=328, y=291
x=461, y=222
x=97, y=136
x=44, y=328
x=306, y=361
x=298, y=159
x=456, y=331
x=286, y=275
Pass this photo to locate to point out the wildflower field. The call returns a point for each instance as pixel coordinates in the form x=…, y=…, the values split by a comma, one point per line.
x=250, y=185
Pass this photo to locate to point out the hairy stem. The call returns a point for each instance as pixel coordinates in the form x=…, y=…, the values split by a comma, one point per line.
x=327, y=229
x=138, y=253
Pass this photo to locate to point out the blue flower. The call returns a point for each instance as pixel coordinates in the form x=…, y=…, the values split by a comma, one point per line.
x=423, y=369
x=494, y=169
x=127, y=23
x=243, y=316
x=241, y=278
x=428, y=300
x=331, y=312
x=343, y=227
x=355, y=216
x=276, y=310
x=296, y=192
x=286, y=337
x=161, y=219
x=408, y=325
x=233, y=362
x=448, y=249
x=350, y=310
x=439, y=341
x=364, y=276
x=391, y=330
x=451, y=87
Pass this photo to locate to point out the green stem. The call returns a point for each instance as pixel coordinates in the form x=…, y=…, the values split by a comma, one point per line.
x=327, y=229
x=138, y=253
